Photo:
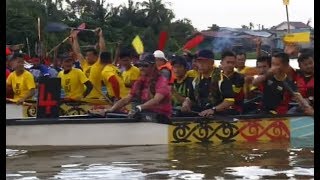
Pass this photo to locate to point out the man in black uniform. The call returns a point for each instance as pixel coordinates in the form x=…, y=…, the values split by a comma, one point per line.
x=182, y=85
x=213, y=91
x=277, y=88
x=228, y=63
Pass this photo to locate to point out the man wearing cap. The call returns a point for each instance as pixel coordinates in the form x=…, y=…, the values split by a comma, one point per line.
x=164, y=66
x=151, y=93
x=73, y=81
x=213, y=91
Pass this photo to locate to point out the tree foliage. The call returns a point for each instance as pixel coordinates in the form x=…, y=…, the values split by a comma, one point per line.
x=119, y=23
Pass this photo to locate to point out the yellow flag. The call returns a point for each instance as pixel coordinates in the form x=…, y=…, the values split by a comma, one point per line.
x=286, y=2
x=303, y=37
x=138, y=45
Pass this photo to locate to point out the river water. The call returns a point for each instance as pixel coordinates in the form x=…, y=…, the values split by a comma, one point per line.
x=275, y=160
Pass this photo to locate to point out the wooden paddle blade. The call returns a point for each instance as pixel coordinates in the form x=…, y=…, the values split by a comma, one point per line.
x=193, y=42
x=56, y=27
x=163, y=37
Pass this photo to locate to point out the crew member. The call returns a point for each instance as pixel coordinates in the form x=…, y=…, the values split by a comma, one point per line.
x=277, y=87
x=305, y=80
x=91, y=65
x=20, y=80
x=73, y=81
x=212, y=90
x=164, y=66
x=151, y=92
x=182, y=86
x=241, y=65
x=131, y=73
x=111, y=77
x=228, y=62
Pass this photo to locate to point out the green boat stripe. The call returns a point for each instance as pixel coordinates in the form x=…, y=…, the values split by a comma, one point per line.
x=294, y=129
x=307, y=135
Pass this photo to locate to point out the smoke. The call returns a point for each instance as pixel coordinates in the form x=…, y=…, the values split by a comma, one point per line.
x=221, y=43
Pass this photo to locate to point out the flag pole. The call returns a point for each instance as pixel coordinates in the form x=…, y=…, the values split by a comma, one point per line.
x=288, y=22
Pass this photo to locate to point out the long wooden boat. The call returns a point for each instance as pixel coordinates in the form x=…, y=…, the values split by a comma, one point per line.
x=85, y=131
x=28, y=110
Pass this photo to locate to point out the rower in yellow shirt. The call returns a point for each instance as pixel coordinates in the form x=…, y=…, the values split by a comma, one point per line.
x=73, y=81
x=194, y=71
x=112, y=79
x=20, y=80
x=91, y=65
x=240, y=65
x=130, y=72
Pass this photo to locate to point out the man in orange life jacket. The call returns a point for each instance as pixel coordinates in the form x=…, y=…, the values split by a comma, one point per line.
x=305, y=79
x=164, y=66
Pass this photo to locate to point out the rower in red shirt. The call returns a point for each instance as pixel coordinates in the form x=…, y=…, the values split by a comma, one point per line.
x=305, y=80
x=277, y=87
x=151, y=93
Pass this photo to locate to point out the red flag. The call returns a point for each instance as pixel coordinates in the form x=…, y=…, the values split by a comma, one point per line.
x=8, y=51
x=163, y=37
x=193, y=42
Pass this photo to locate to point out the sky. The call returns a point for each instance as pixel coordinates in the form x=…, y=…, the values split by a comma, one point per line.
x=234, y=13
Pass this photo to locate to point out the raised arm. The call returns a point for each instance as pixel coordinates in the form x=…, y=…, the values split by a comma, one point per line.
x=102, y=43
x=76, y=47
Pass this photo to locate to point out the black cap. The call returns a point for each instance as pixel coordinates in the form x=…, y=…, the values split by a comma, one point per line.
x=179, y=60
x=148, y=59
x=15, y=56
x=205, y=54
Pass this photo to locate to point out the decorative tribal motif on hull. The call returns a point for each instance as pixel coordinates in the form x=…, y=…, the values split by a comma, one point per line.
x=66, y=109
x=224, y=131
x=204, y=132
x=273, y=130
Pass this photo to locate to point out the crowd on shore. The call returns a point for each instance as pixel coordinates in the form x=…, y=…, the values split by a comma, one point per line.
x=180, y=85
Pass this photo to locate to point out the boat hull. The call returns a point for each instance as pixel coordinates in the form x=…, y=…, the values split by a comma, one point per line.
x=14, y=111
x=123, y=131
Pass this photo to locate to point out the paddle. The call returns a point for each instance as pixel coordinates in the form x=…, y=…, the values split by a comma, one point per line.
x=301, y=100
x=15, y=101
x=81, y=26
x=59, y=27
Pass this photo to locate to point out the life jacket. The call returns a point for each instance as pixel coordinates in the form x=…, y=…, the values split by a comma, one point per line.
x=169, y=67
x=305, y=89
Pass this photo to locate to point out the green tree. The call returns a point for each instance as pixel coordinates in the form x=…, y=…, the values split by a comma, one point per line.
x=119, y=23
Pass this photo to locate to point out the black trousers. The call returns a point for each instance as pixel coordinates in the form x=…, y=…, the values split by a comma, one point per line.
x=153, y=117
